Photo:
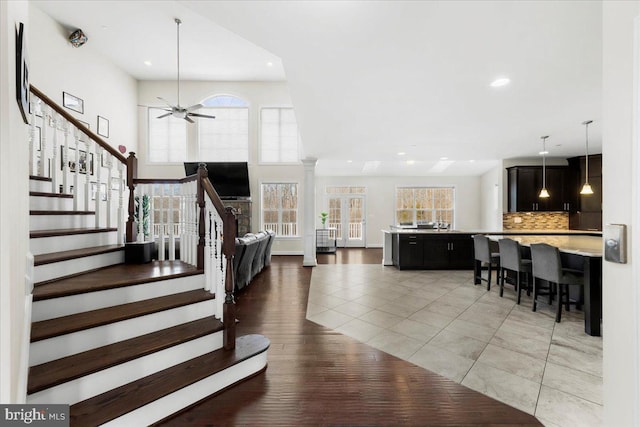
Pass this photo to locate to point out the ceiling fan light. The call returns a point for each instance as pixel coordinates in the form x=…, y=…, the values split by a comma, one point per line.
x=544, y=194
x=586, y=189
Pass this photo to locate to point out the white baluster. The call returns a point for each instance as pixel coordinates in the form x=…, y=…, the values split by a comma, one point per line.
x=152, y=204
x=161, y=244
x=182, y=214
x=33, y=161
x=209, y=275
x=140, y=190
x=76, y=173
x=64, y=158
x=172, y=224
x=109, y=163
x=120, y=220
x=98, y=168
x=54, y=155
x=45, y=139
x=87, y=174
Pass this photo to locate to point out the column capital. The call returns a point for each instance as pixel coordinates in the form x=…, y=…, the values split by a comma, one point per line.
x=309, y=162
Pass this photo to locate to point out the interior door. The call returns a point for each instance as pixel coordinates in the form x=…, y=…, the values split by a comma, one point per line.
x=347, y=217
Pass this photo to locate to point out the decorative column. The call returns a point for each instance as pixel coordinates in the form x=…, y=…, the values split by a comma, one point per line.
x=309, y=212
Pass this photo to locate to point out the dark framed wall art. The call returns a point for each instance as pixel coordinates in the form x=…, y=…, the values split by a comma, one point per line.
x=22, y=73
x=72, y=102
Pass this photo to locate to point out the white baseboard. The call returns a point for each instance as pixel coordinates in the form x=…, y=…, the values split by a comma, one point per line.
x=297, y=253
x=374, y=245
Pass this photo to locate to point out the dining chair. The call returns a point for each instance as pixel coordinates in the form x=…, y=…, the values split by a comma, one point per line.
x=511, y=260
x=547, y=266
x=484, y=256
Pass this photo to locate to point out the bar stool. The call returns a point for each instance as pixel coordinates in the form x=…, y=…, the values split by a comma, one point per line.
x=484, y=256
x=511, y=259
x=548, y=266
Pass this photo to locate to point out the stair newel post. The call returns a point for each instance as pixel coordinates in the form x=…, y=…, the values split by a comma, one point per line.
x=132, y=174
x=76, y=172
x=55, y=119
x=229, y=249
x=64, y=158
x=202, y=175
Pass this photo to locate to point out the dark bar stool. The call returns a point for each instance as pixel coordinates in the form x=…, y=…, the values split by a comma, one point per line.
x=484, y=256
x=548, y=266
x=511, y=259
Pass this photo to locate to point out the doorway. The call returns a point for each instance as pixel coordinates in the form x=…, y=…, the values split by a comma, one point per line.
x=347, y=219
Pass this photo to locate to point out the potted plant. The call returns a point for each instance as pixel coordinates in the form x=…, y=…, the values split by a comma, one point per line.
x=323, y=218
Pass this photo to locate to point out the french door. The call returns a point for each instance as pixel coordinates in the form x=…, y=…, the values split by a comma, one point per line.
x=347, y=217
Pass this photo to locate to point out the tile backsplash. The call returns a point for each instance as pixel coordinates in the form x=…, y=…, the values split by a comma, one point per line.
x=535, y=221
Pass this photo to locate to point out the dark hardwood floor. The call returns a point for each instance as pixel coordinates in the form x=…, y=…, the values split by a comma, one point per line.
x=317, y=376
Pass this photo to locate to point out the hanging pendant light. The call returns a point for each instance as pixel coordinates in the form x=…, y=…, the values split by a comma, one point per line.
x=586, y=188
x=544, y=194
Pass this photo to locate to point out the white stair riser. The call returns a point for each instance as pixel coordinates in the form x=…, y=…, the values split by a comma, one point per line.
x=69, y=242
x=41, y=203
x=91, y=385
x=77, y=265
x=64, y=306
x=54, y=222
x=40, y=186
x=76, y=342
x=172, y=403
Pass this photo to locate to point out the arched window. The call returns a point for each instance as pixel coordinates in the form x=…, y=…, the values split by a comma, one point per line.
x=225, y=138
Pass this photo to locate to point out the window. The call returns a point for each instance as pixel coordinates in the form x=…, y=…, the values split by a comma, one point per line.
x=225, y=138
x=279, y=137
x=167, y=138
x=418, y=205
x=280, y=208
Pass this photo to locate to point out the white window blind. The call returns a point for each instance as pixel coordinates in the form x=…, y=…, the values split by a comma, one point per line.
x=279, y=139
x=416, y=205
x=225, y=138
x=167, y=138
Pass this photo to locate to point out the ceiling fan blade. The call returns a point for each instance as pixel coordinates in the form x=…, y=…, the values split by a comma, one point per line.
x=165, y=101
x=164, y=115
x=194, y=107
x=188, y=119
x=201, y=115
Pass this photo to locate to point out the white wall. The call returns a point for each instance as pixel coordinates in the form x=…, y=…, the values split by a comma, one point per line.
x=620, y=205
x=258, y=94
x=492, y=189
x=14, y=207
x=56, y=66
x=381, y=196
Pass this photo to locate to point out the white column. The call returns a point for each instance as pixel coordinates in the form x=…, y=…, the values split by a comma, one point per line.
x=309, y=212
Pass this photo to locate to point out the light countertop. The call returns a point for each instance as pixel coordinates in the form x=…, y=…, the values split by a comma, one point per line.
x=494, y=232
x=580, y=245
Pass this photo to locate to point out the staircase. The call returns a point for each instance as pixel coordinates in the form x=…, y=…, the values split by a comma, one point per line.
x=122, y=344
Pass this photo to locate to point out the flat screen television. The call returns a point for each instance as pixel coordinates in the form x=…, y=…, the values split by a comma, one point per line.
x=230, y=179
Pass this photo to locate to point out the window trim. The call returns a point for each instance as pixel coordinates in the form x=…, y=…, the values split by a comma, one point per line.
x=298, y=236
x=455, y=210
x=259, y=136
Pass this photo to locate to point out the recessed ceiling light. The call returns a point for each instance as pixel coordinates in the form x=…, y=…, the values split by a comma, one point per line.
x=543, y=152
x=104, y=27
x=471, y=161
x=269, y=64
x=444, y=158
x=147, y=63
x=349, y=161
x=410, y=162
x=401, y=153
x=501, y=81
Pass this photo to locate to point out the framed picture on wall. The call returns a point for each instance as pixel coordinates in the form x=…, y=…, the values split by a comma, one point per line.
x=73, y=102
x=22, y=73
x=103, y=191
x=86, y=164
x=103, y=127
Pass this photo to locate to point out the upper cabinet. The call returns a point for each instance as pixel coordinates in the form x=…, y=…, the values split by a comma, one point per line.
x=588, y=215
x=525, y=183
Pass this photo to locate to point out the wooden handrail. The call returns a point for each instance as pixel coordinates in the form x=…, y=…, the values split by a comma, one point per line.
x=215, y=199
x=58, y=109
x=166, y=180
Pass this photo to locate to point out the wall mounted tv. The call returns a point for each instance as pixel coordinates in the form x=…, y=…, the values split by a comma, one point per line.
x=230, y=179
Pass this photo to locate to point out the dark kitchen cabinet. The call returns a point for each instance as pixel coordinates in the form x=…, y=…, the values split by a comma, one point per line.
x=525, y=183
x=433, y=251
x=588, y=213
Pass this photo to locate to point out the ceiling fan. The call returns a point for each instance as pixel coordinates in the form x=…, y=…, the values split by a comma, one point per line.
x=176, y=110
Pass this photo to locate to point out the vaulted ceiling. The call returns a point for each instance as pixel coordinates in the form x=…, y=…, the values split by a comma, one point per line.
x=371, y=79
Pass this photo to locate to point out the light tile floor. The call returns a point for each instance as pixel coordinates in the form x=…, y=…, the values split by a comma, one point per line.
x=440, y=321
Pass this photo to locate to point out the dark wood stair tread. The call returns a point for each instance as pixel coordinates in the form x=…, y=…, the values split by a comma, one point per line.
x=114, y=276
x=119, y=401
x=43, y=194
x=39, y=178
x=39, y=212
x=75, y=253
x=68, y=368
x=36, y=234
x=90, y=319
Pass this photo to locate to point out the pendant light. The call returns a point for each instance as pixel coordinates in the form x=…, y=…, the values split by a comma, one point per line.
x=586, y=188
x=544, y=194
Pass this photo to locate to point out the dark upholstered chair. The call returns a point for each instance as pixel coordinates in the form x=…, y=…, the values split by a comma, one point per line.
x=258, y=259
x=547, y=266
x=511, y=259
x=240, y=247
x=267, y=253
x=484, y=256
x=245, y=264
